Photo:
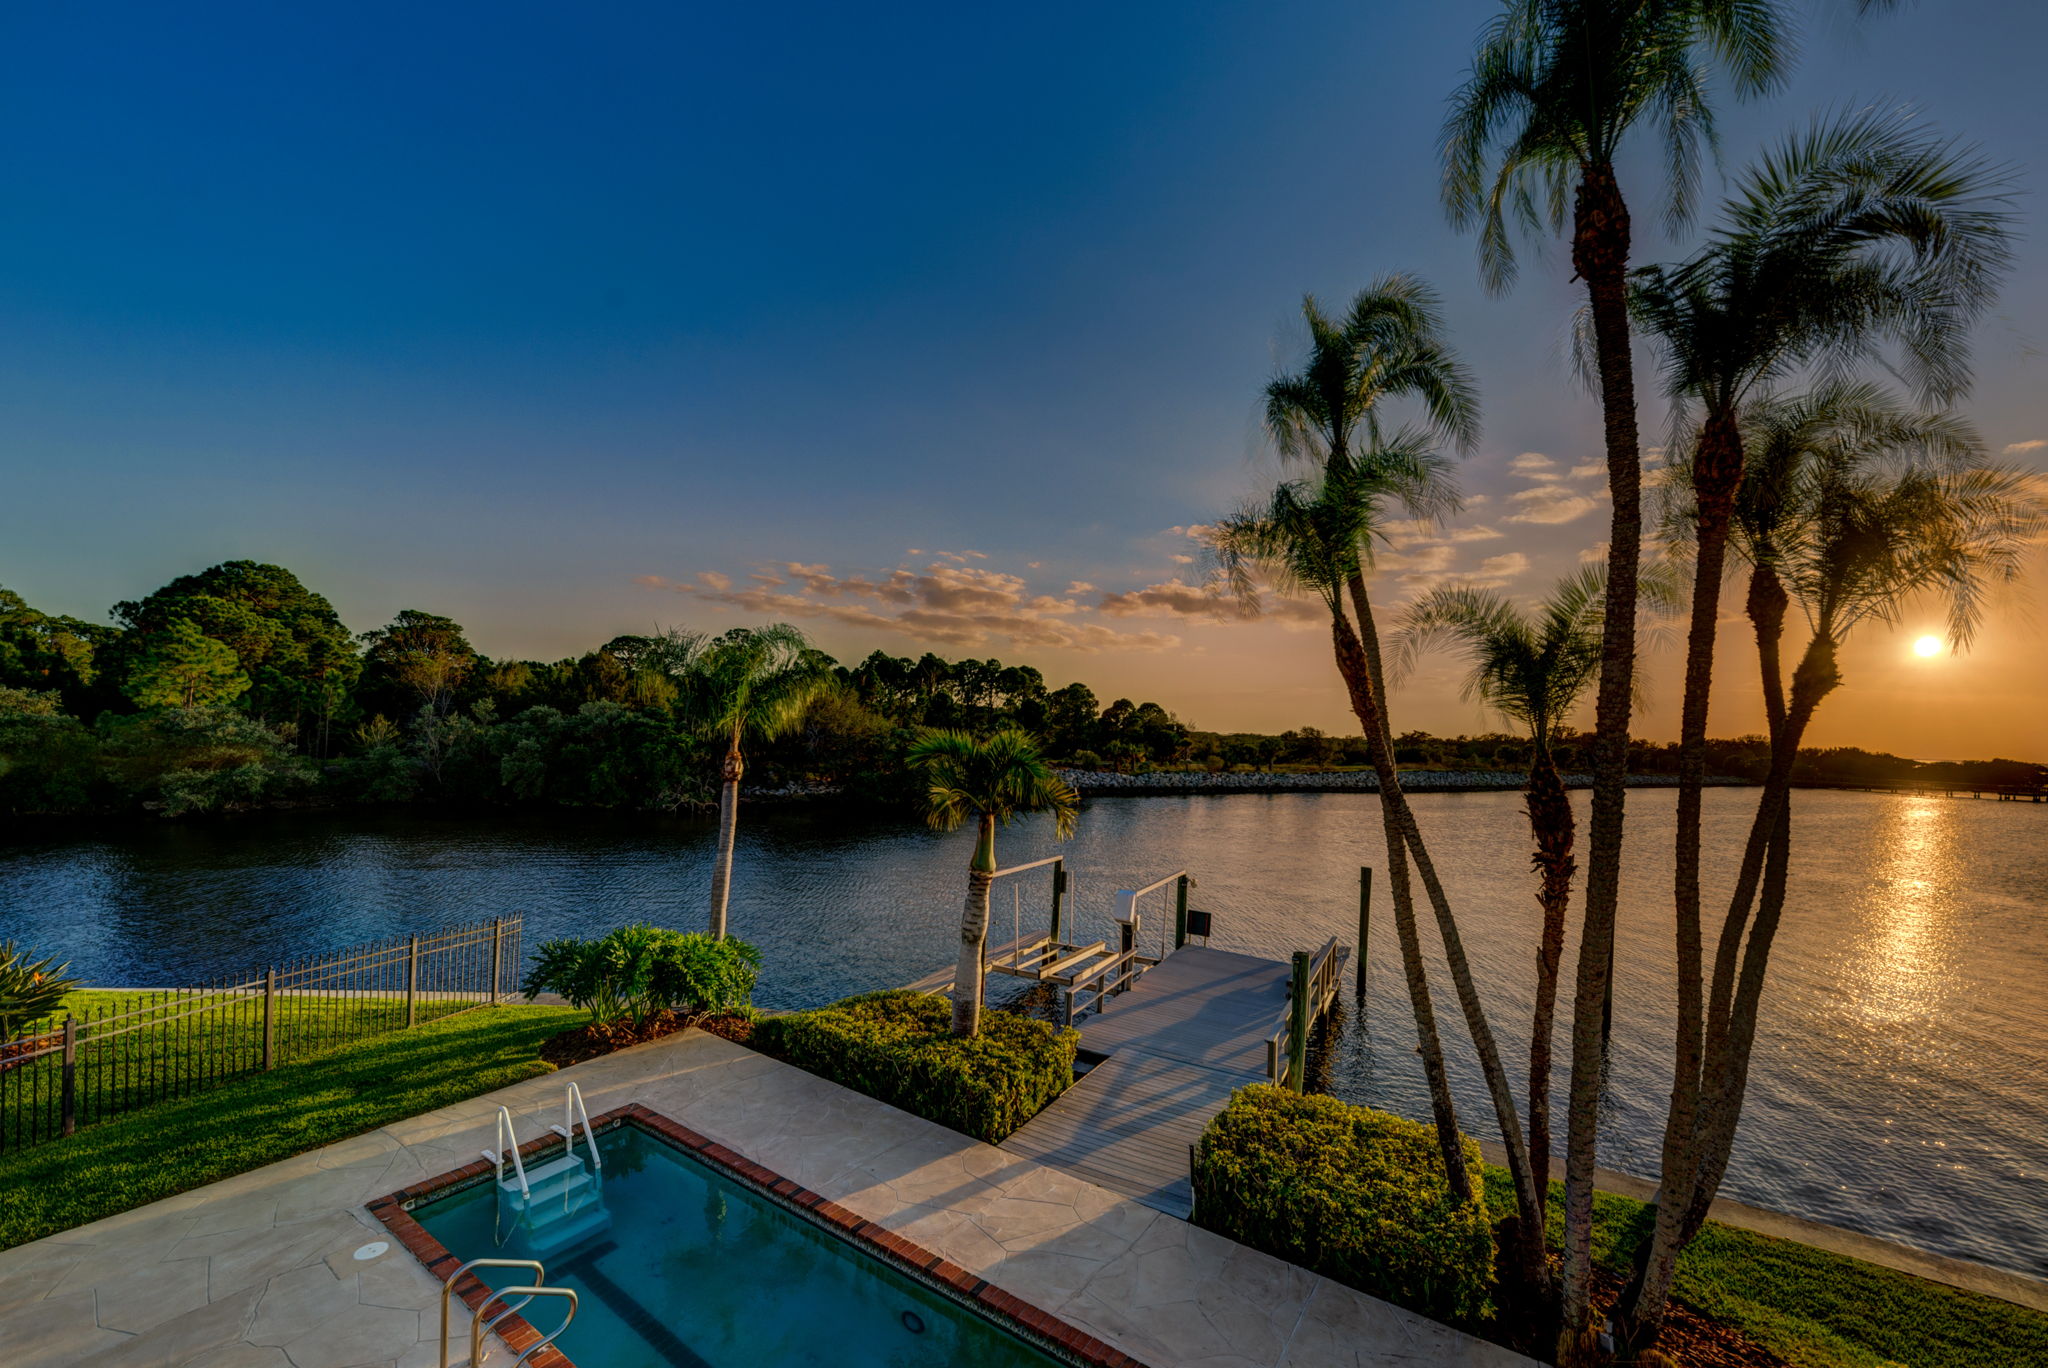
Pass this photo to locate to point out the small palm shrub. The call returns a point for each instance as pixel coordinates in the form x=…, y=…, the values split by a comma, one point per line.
x=29, y=988
x=638, y=971
x=898, y=1046
x=1355, y=1194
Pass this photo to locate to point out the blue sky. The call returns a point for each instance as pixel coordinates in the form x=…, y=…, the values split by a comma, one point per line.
x=568, y=321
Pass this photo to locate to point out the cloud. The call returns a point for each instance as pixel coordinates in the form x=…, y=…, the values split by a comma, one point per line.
x=1196, y=531
x=1594, y=553
x=1506, y=566
x=1590, y=470
x=1473, y=534
x=1533, y=464
x=944, y=603
x=1182, y=560
x=1549, y=503
x=2021, y=448
x=1080, y=587
x=1177, y=598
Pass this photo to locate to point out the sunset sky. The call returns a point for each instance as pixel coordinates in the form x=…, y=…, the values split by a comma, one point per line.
x=926, y=327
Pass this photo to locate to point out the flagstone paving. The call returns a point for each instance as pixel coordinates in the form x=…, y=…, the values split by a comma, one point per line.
x=272, y=1269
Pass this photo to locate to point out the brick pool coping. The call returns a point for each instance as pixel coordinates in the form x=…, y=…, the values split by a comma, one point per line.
x=1029, y=1323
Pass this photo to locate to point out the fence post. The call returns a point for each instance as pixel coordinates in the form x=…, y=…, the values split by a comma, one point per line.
x=412, y=979
x=270, y=1017
x=497, y=954
x=1059, y=898
x=1180, y=912
x=1126, y=942
x=1297, y=1024
x=1364, y=922
x=69, y=1106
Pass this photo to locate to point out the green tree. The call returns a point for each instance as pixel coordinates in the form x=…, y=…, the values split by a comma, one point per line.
x=298, y=658
x=181, y=667
x=989, y=781
x=1864, y=231
x=417, y=662
x=1852, y=506
x=751, y=682
x=1533, y=668
x=44, y=652
x=1555, y=90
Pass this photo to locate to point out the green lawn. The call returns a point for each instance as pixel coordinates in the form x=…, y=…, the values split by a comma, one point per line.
x=168, y=1148
x=184, y=1043
x=1810, y=1307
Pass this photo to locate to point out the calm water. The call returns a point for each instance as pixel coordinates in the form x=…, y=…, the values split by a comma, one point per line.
x=695, y=1271
x=1901, y=1077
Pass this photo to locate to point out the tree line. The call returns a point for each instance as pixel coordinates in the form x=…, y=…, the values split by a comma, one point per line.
x=240, y=686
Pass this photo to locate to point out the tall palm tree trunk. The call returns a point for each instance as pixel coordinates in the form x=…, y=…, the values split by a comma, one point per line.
x=1552, y=826
x=728, y=829
x=1717, y=470
x=1351, y=665
x=974, y=931
x=1600, y=251
x=1396, y=811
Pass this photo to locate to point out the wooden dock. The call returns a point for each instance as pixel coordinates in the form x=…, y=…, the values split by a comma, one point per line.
x=1173, y=1047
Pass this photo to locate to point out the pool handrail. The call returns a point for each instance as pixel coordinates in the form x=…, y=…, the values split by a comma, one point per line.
x=478, y=1325
x=540, y=1275
x=573, y=1110
x=508, y=1143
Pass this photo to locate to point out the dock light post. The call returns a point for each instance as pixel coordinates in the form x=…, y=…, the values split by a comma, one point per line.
x=1059, y=899
x=1364, y=924
x=1180, y=911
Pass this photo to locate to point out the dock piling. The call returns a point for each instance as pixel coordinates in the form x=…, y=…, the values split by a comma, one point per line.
x=1364, y=924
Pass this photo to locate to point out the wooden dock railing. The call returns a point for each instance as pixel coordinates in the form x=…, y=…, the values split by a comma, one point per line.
x=1311, y=989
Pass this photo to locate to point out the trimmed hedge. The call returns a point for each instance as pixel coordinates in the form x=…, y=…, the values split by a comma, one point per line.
x=1355, y=1194
x=898, y=1047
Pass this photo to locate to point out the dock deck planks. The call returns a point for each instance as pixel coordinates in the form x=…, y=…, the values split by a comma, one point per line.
x=1186, y=1035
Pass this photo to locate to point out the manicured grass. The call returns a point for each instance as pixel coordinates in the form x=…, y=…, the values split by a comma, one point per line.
x=1810, y=1307
x=166, y=1149
x=173, y=1044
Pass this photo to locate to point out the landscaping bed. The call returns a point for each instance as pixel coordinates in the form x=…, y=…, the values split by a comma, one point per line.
x=898, y=1047
x=1358, y=1196
x=593, y=1039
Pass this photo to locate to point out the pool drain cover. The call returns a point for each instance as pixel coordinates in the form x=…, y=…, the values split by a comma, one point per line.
x=373, y=1250
x=913, y=1322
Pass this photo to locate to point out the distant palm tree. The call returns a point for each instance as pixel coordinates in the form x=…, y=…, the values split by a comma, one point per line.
x=1863, y=231
x=1852, y=507
x=1555, y=89
x=1532, y=668
x=991, y=781
x=751, y=682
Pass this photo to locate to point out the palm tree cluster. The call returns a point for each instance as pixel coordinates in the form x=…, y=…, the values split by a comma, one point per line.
x=1866, y=240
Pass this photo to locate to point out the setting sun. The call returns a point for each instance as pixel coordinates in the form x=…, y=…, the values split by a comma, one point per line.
x=1927, y=646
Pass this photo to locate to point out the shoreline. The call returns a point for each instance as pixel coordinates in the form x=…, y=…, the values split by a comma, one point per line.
x=1172, y=783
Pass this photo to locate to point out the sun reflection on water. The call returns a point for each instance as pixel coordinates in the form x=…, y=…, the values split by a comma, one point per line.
x=1898, y=969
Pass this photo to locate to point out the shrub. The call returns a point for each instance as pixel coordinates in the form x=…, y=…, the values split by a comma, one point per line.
x=898, y=1046
x=637, y=971
x=1357, y=1195
x=29, y=988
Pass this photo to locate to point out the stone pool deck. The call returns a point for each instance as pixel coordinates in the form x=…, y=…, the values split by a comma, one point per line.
x=259, y=1271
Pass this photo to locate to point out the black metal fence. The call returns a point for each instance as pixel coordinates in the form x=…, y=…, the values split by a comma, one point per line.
x=127, y=1049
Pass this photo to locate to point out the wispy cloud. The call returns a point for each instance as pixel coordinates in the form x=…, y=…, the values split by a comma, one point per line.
x=943, y=603
x=1533, y=464
x=1548, y=504
x=1590, y=470
x=2021, y=448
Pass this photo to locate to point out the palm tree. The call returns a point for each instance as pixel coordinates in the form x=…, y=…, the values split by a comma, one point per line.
x=750, y=683
x=1864, y=230
x=1532, y=668
x=1554, y=91
x=1309, y=537
x=1851, y=506
x=990, y=781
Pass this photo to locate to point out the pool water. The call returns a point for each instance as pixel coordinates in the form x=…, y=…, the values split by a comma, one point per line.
x=696, y=1271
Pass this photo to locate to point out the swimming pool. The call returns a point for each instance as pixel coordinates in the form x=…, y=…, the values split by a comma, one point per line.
x=684, y=1255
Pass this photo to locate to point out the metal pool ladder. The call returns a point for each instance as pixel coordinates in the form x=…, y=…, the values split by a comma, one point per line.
x=479, y=1325
x=561, y=1200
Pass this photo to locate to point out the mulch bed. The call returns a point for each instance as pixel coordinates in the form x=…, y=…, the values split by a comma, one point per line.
x=1690, y=1339
x=588, y=1042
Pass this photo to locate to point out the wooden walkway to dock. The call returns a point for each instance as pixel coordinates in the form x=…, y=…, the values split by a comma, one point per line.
x=1172, y=1048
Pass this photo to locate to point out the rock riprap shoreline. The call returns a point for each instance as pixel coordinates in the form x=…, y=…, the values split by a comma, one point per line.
x=1106, y=783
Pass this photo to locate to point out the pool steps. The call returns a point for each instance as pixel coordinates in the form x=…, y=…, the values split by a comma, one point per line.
x=560, y=1202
